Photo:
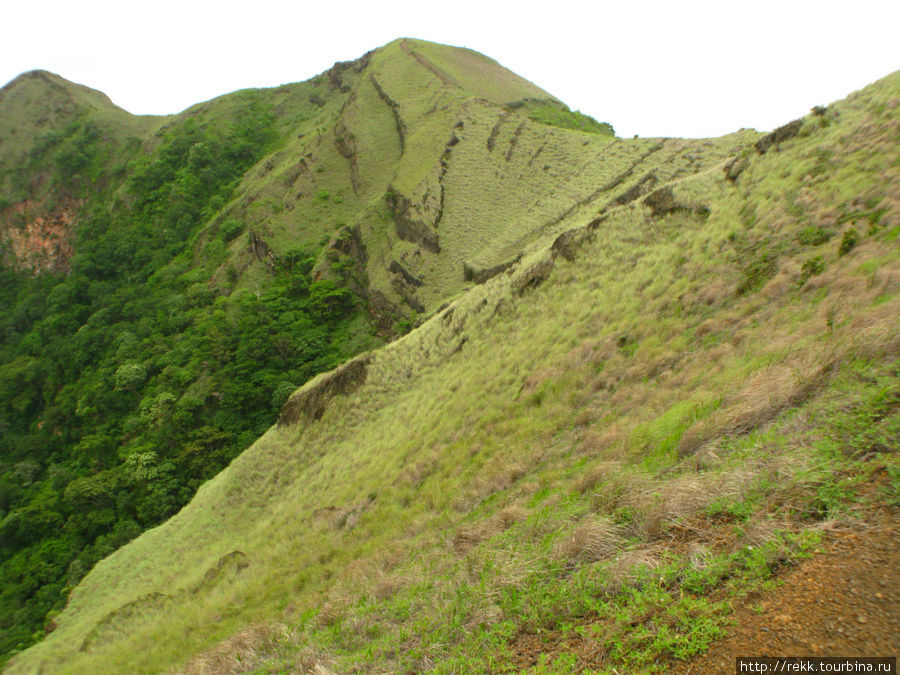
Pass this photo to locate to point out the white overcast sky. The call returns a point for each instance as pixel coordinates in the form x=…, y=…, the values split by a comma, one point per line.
x=654, y=68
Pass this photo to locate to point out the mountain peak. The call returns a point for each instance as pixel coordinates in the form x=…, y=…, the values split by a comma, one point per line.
x=466, y=69
x=40, y=81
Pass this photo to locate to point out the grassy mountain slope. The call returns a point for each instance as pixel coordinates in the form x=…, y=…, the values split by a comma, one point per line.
x=165, y=283
x=398, y=167
x=687, y=374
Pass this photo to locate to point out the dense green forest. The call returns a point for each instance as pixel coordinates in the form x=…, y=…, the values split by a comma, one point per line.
x=128, y=381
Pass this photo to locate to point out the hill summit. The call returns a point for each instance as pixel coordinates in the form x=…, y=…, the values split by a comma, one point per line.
x=410, y=367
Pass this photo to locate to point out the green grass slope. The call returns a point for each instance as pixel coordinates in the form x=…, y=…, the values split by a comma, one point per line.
x=377, y=161
x=167, y=282
x=688, y=370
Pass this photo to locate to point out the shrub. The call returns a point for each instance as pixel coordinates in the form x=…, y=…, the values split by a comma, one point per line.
x=230, y=229
x=810, y=268
x=556, y=114
x=849, y=240
x=130, y=375
x=758, y=272
x=813, y=236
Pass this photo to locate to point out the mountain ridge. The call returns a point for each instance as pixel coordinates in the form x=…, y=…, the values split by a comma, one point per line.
x=616, y=337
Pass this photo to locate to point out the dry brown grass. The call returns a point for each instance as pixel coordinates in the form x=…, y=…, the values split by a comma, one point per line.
x=766, y=393
x=872, y=333
x=698, y=555
x=718, y=287
x=243, y=652
x=310, y=661
x=595, y=538
x=535, y=380
x=484, y=613
x=596, y=475
x=378, y=575
x=658, y=505
x=707, y=457
x=607, y=496
x=498, y=474
x=762, y=530
x=469, y=536
x=332, y=610
x=628, y=564
x=637, y=395
x=877, y=332
x=608, y=441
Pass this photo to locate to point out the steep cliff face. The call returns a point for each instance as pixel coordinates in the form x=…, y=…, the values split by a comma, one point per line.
x=59, y=143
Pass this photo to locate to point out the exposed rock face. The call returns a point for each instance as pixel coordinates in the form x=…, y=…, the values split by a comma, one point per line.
x=38, y=243
x=495, y=132
x=310, y=402
x=481, y=274
x=411, y=219
x=335, y=73
x=780, y=134
x=235, y=561
x=396, y=268
x=533, y=276
x=395, y=110
x=663, y=202
x=346, y=145
x=568, y=243
x=639, y=189
x=102, y=630
x=404, y=284
x=735, y=167
x=261, y=250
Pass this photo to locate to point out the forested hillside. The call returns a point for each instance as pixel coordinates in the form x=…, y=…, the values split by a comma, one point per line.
x=127, y=379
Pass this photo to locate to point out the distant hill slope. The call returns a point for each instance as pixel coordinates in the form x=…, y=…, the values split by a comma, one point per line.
x=653, y=373
x=39, y=103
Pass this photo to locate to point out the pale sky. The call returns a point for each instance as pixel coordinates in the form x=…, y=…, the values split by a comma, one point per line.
x=655, y=68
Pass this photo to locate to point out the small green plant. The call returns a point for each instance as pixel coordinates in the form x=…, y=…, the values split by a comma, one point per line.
x=758, y=272
x=848, y=241
x=403, y=326
x=810, y=268
x=813, y=236
x=729, y=509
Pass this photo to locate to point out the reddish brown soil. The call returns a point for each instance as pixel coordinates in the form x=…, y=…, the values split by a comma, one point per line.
x=843, y=602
